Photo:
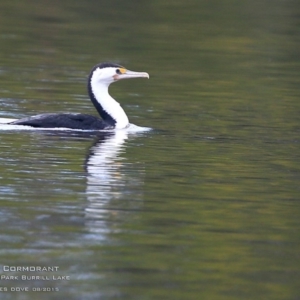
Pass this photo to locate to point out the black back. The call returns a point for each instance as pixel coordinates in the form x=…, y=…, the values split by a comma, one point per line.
x=65, y=120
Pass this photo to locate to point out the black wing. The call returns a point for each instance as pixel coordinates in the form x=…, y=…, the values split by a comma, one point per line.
x=64, y=120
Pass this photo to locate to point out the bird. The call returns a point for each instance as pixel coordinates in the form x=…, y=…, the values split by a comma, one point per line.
x=112, y=114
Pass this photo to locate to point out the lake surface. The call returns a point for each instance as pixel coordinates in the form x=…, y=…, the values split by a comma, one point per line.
x=203, y=206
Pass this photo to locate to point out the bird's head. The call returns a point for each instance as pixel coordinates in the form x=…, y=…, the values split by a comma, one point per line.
x=108, y=73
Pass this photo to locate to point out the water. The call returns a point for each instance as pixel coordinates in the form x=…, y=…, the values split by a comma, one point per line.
x=203, y=206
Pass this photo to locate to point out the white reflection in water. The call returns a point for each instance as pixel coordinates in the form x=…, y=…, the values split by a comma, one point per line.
x=113, y=185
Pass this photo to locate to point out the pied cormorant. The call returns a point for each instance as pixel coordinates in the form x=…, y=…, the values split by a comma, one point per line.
x=112, y=114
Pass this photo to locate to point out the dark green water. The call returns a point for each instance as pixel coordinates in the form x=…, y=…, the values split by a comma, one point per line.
x=204, y=206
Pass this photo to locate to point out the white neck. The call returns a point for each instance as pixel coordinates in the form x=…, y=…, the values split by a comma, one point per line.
x=109, y=104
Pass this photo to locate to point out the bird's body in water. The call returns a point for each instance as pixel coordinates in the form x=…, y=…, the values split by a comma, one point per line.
x=112, y=114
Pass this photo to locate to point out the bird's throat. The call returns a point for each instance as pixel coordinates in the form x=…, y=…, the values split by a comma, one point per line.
x=108, y=108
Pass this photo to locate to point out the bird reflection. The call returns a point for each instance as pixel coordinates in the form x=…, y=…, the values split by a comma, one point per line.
x=113, y=184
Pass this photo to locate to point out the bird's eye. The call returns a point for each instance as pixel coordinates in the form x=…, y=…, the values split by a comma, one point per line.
x=118, y=71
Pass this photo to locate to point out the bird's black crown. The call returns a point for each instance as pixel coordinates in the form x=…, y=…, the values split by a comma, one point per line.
x=108, y=65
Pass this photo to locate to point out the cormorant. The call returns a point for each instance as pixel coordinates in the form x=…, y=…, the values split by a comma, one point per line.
x=112, y=114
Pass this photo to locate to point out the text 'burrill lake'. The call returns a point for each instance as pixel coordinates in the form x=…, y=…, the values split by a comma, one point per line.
x=31, y=269
x=32, y=277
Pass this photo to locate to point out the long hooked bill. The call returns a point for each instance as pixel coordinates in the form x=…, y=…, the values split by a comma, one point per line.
x=126, y=74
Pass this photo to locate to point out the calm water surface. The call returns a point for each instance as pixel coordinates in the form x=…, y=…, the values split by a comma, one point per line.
x=203, y=206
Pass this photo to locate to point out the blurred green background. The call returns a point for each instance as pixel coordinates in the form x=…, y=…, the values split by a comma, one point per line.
x=206, y=205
